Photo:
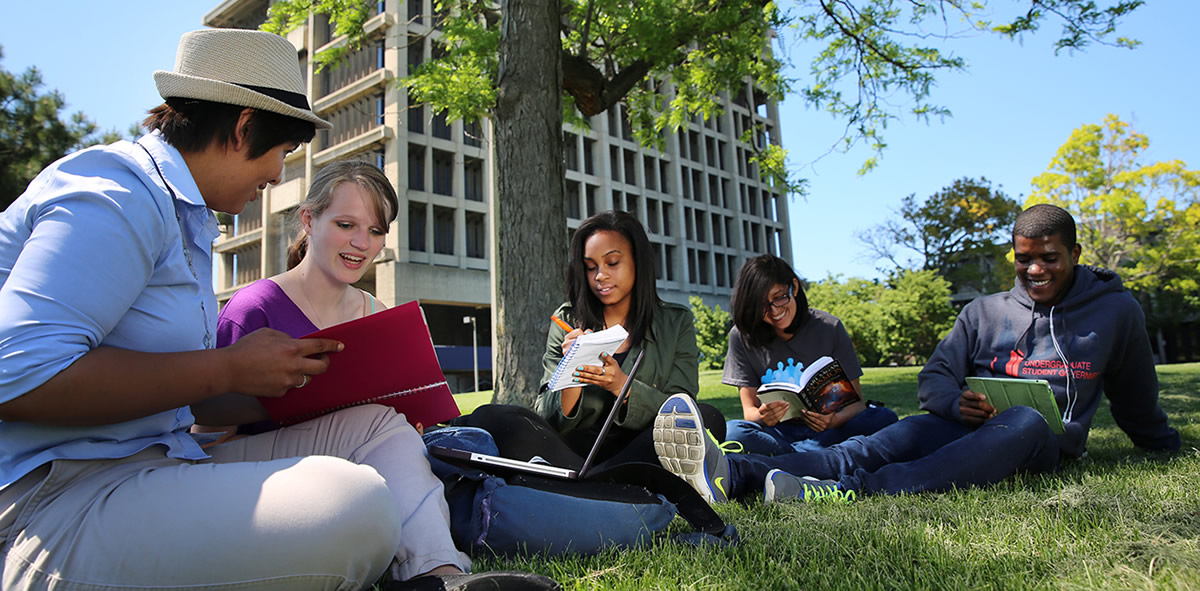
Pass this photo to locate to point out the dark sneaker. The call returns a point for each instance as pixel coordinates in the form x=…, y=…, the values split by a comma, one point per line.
x=688, y=451
x=781, y=486
x=488, y=581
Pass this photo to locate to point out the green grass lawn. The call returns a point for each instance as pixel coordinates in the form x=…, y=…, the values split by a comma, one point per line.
x=1118, y=519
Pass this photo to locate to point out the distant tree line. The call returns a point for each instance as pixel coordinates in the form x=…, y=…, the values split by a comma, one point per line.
x=1140, y=219
x=34, y=131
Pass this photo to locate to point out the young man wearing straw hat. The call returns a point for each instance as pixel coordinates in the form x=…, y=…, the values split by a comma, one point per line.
x=107, y=317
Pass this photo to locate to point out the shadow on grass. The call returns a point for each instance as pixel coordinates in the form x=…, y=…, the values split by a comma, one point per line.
x=1122, y=518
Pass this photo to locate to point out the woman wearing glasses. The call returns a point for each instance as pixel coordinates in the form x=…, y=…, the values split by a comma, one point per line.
x=772, y=324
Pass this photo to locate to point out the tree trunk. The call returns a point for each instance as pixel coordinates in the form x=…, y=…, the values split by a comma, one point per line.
x=529, y=219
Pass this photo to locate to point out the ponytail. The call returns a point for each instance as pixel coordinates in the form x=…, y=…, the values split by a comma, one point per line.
x=296, y=250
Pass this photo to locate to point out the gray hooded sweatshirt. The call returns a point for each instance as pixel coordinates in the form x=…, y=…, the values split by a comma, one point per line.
x=1100, y=332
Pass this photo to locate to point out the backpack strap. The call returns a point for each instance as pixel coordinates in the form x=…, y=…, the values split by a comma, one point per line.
x=690, y=504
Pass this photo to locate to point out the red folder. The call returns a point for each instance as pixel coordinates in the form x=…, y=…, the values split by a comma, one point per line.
x=388, y=359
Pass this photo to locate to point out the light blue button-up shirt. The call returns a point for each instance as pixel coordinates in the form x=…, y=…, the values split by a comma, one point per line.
x=90, y=255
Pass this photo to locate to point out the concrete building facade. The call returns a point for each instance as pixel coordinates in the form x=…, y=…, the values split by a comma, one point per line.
x=702, y=201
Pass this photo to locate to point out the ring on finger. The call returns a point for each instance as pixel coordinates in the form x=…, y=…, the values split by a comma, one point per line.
x=303, y=382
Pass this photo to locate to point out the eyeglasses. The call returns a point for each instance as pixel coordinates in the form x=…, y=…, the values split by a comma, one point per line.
x=782, y=300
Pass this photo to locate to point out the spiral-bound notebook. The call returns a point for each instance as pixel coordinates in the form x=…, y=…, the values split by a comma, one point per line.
x=586, y=350
x=388, y=359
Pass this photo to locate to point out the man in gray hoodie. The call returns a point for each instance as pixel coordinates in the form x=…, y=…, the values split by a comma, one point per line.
x=1072, y=325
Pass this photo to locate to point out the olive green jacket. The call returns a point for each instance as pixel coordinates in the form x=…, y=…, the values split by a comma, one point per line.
x=671, y=366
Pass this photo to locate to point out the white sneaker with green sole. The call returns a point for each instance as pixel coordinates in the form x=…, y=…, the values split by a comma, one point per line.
x=689, y=451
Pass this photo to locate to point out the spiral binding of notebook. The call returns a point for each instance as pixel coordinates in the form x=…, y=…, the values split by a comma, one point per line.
x=586, y=350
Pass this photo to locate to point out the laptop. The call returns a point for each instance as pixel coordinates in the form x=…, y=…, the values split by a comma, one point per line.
x=508, y=465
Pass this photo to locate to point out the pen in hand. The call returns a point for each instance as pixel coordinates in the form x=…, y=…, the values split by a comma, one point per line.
x=561, y=324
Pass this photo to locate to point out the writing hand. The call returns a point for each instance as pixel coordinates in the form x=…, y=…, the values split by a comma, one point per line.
x=770, y=413
x=569, y=339
x=268, y=363
x=974, y=408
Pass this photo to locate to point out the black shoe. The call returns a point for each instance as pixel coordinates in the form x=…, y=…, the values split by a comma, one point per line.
x=487, y=581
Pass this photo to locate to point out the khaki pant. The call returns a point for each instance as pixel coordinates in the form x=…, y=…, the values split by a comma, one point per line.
x=327, y=504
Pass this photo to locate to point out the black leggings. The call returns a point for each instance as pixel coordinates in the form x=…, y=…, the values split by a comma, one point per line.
x=521, y=434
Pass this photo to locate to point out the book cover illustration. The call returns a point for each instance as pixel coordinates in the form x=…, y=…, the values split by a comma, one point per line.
x=821, y=387
x=388, y=359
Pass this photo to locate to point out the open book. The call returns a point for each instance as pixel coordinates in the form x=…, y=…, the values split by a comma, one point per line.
x=823, y=387
x=586, y=350
x=388, y=359
x=1005, y=393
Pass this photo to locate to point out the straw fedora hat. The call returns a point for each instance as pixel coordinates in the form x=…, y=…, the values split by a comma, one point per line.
x=239, y=67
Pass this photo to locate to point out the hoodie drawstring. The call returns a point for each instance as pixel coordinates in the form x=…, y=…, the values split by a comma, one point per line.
x=1071, y=396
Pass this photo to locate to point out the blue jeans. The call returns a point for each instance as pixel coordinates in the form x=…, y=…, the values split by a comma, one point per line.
x=795, y=435
x=465, y=438
x=918, y=453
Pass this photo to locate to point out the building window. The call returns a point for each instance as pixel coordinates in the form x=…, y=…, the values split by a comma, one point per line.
x=416, y=115
x=443, y=230
x=416, y=167
x=443, y=172
x=590, y=202
x=571, y=151
x=416, y=226
x=614, y=163
x=476, y=235
x=588, y=164
x=473, y=179
x=572, y=200
x=441, y=128
x=472, y=134
x=354, y=119
x=355, y=66
x=414, y=11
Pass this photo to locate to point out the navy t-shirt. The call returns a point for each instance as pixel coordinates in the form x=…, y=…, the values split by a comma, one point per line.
x=823, y=334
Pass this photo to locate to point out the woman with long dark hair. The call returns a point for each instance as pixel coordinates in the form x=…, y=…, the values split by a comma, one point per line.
x=610, y=281
x=772, y=323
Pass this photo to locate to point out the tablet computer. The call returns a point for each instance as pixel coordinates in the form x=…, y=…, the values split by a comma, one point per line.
x=1005, y=393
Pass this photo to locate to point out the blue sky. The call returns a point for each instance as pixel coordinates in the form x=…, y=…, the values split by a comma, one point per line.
x=1012, y=108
